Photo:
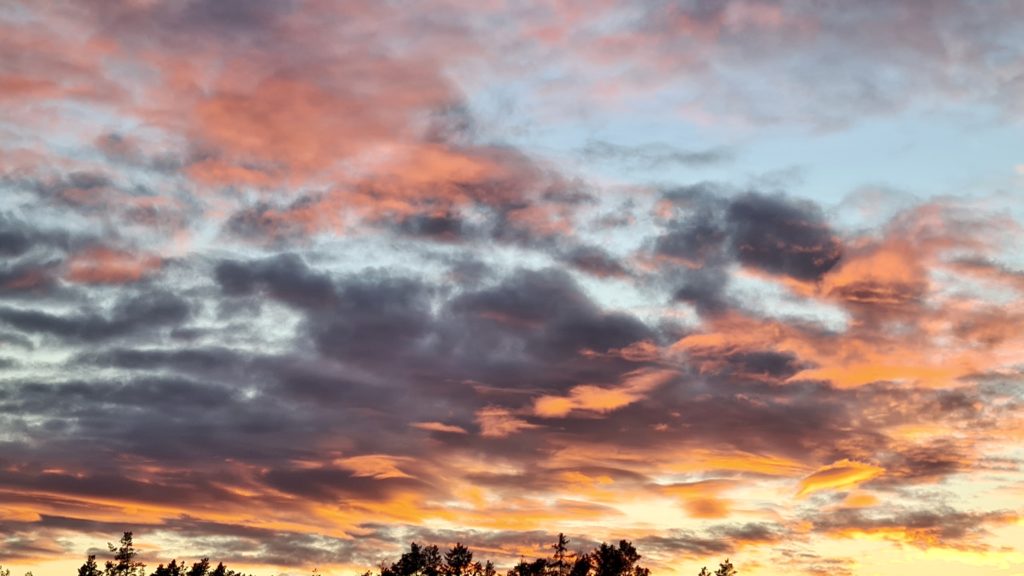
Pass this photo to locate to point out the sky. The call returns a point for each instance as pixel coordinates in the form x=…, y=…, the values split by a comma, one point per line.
x=293, y=283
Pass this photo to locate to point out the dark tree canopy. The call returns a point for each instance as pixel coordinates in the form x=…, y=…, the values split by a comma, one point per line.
x=622, y=561
x=581, y=566
x=418, y=561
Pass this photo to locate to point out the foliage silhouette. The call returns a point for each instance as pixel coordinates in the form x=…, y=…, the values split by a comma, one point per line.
x=421, y=560
x=622, y=561
x=418, y=561
x=458, y=561
x=559, y=564
x=581, y=566
x=125, y=561
x=90, y=568
x=725, y=569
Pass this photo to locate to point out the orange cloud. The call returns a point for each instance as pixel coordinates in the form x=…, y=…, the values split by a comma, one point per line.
x=858, y=499
x=839, y=475
x=497, y=422
x=701, y=499
x=107, y=266
x=597, y=399
x=439, y=427
x=377, y=466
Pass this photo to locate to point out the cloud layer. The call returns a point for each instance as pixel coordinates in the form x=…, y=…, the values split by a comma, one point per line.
x=293, y=283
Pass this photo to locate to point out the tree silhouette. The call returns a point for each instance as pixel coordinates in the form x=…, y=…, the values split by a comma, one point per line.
x=201, y=568
x=89, y=568
x=581, y=566
x=125, y=561
x=559, y=564
x=172, y=569
x=622, y=561
x=418, y=561
x=421, y=560
x=458, y=561
x=725, y=569
x=536, y=568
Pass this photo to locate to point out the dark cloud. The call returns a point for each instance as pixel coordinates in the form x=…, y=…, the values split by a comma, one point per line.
x=941, y=525
x=698, y=236
x=130, y=316
x=595, y=261
x=815, y=565
x=13, y=243
x=195, y=360
x=772, y=233
x=377, y=319
x=332, y=485
x=723, y=539
x=704, y=289
x=782, y=236
x=549, y=313
x=285, y=277
x=446, y=227
x=927, y=463
x=709, y=229
x=18, y=237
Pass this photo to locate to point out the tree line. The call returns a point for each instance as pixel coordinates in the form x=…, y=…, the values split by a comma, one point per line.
x=421, y=560
x=604, y=560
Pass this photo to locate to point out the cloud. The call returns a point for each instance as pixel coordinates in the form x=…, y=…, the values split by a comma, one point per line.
x=106, y=266
x=287, y=280
x=701, y=499
x=652, y=155
x=139, y=314
x=380, y=466
x=942, y=528
x=840, y=475
x=595, y=261
x=498, y=422
x=597, y=399
x=439, y=427
x=782, y=236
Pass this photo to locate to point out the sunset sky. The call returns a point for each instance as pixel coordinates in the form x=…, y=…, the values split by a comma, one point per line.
x=293, y=283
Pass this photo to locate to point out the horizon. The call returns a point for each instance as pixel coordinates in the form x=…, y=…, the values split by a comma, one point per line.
x=315, y=279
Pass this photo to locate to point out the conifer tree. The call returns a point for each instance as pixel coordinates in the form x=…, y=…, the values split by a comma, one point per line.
x=559, y=564
x=126, y=562
x=458, y=560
